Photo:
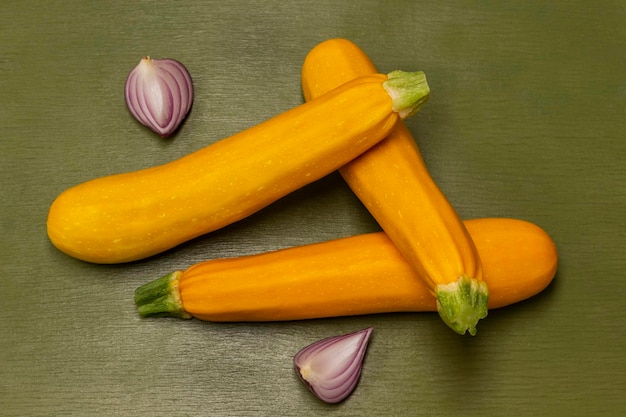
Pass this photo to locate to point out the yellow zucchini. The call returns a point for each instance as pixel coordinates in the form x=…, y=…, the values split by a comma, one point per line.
x=394, y=184
x=130, y=216
x=363, y=274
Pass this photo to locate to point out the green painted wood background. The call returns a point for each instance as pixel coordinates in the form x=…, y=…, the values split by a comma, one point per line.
x=526, y=120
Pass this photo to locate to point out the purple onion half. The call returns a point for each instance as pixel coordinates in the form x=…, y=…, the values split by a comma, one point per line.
x=331, y=368
x=159, y=93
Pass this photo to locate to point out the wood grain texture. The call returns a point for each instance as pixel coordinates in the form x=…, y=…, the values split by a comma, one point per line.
x=526, y=119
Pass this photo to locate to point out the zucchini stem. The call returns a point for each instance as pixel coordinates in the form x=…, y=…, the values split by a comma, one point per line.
x=461, y=304
x=161, y=297
x=408, y=91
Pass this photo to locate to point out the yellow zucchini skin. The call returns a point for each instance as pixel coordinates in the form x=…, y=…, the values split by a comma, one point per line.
x=363, y=274
x=394, y=184
x=130, y=216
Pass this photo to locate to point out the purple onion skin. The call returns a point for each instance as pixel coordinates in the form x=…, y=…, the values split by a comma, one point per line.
x=331, y=368
x=159, y=94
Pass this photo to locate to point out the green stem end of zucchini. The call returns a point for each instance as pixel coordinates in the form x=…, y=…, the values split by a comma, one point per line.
x=408, y=91
x=461, y=304
x=161, y=297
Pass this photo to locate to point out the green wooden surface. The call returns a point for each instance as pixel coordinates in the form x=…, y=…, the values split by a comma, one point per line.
x=526, y=120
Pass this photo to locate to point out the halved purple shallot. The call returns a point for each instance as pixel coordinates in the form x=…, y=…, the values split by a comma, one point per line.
x=159, y=93
x=330, y=368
